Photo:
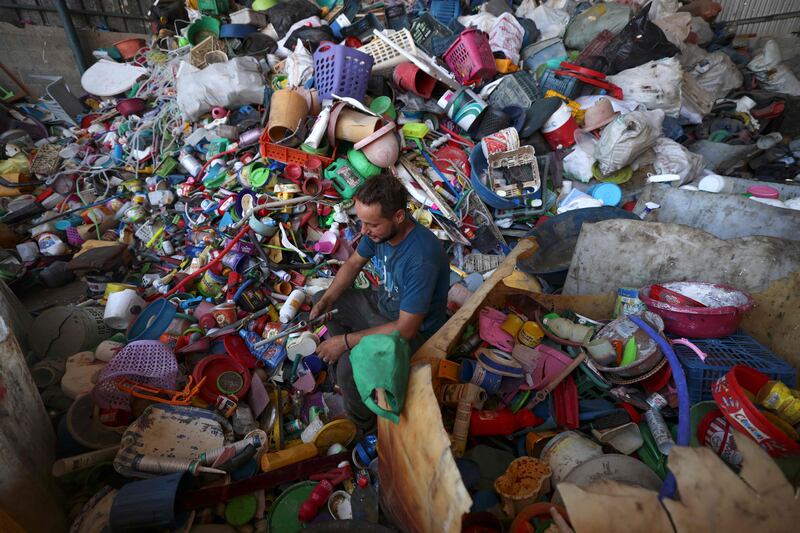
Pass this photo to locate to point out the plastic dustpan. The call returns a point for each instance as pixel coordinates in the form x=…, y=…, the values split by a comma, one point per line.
x=565, y=397
x=549, y=365
x=489, y=322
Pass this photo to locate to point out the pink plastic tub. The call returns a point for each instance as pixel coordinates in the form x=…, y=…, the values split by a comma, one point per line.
x=725, y=309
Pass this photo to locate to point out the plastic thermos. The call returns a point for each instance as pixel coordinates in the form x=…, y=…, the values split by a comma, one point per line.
x=292, y=305
x=289, y=456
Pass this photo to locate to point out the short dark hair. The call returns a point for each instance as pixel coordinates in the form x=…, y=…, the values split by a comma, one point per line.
x=386, y=190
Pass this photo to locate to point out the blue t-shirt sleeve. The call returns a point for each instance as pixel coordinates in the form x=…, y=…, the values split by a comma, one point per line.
x=366, y=248
x=418, y=287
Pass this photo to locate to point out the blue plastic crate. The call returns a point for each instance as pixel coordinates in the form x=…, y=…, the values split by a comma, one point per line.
x=566, y=85
x=445, y=11
x=725, y=353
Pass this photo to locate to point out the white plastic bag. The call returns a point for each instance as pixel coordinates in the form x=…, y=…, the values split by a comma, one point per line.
x=299, y=66
x=550, y=22
x=676, y=27
x=774, y=75
x=625, y=138
x=662, y=8
x=656, y=84
x=673, y=158
x=717, y=74
x=578, y=165
x=696, y=102
x=234, y=83
x=506, y=36
x=703, y=30
x=691, y=55
x=482, y=20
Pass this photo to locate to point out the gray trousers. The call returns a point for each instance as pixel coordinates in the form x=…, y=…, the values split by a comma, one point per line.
x=358, y=310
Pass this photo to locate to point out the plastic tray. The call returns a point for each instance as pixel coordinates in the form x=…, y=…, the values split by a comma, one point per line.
x=385, y=56
x=723, y=354
x=284, y=154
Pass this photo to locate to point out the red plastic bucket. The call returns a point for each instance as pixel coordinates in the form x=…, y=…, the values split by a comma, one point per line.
x=559, y=130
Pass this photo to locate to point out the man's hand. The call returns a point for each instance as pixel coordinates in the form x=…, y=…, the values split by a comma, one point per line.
x=331, y=349
x=320, y=308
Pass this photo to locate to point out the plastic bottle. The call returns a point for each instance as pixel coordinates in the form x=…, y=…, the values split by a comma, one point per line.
x=502, y=422
x=295, y=454
x=292, y=305
x=318, y=497
x=364, y=501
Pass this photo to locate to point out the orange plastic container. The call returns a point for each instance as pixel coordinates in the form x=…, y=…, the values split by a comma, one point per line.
x=284, y=154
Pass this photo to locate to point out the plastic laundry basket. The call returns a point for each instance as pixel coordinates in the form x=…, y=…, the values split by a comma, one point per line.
x=385, y=57
x=341, y=71
x=145, y=362
x=470, y=57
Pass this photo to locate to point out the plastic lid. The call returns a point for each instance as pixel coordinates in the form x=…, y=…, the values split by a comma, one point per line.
x=342, y=431
x=241, y=509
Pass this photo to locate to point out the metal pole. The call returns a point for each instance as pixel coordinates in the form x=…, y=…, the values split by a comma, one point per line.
x=72, y=36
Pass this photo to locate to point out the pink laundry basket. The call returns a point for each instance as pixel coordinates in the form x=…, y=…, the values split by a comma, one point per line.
x=145, y=362
x=470, y=57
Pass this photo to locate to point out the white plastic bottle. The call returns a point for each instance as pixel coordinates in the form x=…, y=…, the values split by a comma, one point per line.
x=292, y=305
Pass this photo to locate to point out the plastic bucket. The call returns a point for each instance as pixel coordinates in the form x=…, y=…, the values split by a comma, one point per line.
x=559, y=130
x=66, y=330
x=566, y=451
x=150, y=504
x=409, y=77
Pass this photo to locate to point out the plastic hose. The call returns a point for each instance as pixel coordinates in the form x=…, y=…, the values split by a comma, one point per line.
x=684, y=426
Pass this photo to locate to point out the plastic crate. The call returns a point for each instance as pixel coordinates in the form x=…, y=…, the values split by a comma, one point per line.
x=362, y=28
x=284, y=154
x=445, y=11
x=385, y=57
x=397, y=17
x=722, y=355
x=341, y=71
x=431, y=35
x=518, y=89
x=592, y=56
x=470, y=57
x=566, y=85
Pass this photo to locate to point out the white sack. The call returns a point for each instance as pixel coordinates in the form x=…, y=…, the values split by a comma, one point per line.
x=656, y=84
x=231, y=84
x=717, y=74
x=673, y=158
x=625, y=138
x=550, y=22
x=774, y=75
x=506, y=36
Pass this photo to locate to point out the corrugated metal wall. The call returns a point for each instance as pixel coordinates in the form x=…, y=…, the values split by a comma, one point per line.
x=734, y=10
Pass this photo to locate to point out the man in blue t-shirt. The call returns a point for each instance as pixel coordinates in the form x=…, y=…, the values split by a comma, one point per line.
x=413, y=274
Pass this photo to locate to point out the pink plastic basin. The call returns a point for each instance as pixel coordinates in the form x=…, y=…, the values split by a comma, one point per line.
x=726, y=308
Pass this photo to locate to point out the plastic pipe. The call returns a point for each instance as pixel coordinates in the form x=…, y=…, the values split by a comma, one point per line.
x=684, y=426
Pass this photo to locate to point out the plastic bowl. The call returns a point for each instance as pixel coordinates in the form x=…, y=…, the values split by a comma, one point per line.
x=726, y=308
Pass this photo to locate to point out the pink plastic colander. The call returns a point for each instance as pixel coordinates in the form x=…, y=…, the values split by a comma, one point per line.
x=145, y=362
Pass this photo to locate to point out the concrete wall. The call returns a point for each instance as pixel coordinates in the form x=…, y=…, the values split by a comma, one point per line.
x=44, y=50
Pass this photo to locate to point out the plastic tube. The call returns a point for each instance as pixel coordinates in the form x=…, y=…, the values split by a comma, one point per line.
x=684, y=425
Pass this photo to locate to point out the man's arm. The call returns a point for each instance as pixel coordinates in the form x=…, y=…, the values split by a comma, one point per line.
x=343, y=279
x=407, y=324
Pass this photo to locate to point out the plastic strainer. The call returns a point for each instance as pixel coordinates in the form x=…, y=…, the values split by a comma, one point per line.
x=145, y=362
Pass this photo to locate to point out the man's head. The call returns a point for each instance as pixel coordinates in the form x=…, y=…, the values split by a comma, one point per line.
x=381, y=206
